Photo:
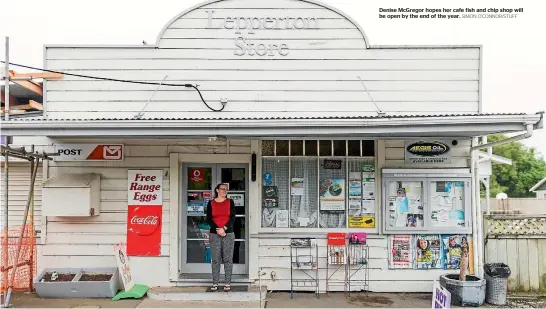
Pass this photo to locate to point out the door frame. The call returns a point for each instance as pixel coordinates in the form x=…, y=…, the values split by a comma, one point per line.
x=176, y=163
x=204, y=268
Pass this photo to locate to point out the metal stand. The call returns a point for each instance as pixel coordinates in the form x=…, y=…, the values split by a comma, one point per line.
x=358, y=262
x=336, y=259
x=304, y=259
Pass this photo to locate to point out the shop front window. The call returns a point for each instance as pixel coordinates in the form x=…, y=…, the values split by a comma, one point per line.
x=305, y=190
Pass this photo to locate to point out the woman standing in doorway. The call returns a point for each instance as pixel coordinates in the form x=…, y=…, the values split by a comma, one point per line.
x=221, y=217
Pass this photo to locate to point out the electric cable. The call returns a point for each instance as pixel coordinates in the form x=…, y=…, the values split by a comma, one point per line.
x=122, y=81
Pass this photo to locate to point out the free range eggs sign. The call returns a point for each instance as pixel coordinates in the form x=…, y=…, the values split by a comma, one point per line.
x=427, y=152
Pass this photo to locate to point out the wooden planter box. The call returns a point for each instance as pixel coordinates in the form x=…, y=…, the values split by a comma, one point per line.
x=84, y=283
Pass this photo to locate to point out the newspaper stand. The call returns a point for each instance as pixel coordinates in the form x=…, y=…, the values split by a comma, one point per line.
x=336, y=260
x=304, y=259
x=358, y=263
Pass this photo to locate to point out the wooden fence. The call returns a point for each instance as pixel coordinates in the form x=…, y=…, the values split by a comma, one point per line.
x=528, y=206
x=520, y=242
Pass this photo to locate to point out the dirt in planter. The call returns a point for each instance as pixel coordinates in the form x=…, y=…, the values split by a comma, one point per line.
x=60, y=277
x=96, y=277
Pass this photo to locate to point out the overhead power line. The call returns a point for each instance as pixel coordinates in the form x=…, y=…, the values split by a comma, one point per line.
x=123, y=81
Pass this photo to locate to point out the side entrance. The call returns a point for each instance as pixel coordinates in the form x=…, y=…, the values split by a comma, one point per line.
x=198, y=183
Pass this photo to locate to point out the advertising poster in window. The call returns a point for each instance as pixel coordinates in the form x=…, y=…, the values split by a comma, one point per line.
x=296, y=186
x=452, y=245
x=405, y=205
x=401, y=252
x=196, y=203
x=281, y=219
x=270, y=197
x=361, y=222
x=238, y=199
x=428, y=252
x=355, y=185
x=447, y=204
x=332, y=194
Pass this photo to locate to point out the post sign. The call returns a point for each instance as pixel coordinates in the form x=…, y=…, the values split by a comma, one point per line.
x=144, y=213
x=123, y=265
x=427, y=152
x=89, y=152
x=441, y=298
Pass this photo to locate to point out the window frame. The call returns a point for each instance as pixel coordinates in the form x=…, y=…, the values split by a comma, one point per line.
x=427, y=177
x=347, y=159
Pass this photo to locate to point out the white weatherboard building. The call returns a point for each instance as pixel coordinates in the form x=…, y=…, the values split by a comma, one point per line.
x=308, y=104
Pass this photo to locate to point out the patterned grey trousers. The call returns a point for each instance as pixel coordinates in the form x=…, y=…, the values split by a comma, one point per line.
x=222, y=250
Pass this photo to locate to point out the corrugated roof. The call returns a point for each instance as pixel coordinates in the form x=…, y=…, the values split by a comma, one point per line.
x=265, y=118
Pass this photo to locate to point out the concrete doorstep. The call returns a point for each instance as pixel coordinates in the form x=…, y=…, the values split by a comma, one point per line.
x=201, y=294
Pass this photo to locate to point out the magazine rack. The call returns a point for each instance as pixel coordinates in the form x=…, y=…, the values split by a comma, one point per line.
x=358, y=264
x=304, y=260
x=336, y=259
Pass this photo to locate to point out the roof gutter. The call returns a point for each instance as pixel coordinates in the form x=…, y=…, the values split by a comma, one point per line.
x=525, y=135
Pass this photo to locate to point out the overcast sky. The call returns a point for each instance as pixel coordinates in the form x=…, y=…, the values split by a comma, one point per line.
x=514, y=50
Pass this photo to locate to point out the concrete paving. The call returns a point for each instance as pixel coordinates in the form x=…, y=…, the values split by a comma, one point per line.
x=274, y=300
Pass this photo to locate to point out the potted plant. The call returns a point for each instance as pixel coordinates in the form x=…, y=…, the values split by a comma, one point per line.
x=465, y=289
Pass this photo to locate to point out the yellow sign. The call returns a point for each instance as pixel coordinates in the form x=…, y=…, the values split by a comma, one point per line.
x=362, y=222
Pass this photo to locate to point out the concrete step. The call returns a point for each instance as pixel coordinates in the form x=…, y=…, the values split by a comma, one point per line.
x=197, y=293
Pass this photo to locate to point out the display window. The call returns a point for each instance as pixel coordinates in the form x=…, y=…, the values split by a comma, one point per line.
x=428, y=201
x=324, y=184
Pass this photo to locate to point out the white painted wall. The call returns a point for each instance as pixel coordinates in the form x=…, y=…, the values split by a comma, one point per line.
x=77, y=242
x=319, y=71
x=274, y=253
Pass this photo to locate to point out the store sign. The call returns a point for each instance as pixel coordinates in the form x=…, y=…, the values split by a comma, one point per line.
x=144, y=230
x=123, y=265
x=145, y=187
x=196, y=174
x=332, y=164
x=246, y=26
x=89, y=152
x=144, y=215
x=441, y=298
x=418, y=152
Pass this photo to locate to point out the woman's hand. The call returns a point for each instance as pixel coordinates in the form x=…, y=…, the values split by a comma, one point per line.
x=221, y=232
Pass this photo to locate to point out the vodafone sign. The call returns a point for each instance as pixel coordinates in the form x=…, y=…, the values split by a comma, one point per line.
x=89, y=152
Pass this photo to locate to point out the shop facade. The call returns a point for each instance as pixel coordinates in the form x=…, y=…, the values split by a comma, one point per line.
x=320, y=133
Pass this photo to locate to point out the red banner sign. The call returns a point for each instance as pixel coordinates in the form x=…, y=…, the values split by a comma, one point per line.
x=144, y=201
x=144, y=230
x=336, y=239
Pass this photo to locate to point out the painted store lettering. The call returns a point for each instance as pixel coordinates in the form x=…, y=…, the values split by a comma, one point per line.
x=245, y=46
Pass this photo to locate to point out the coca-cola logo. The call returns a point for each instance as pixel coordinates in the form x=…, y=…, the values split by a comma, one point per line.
x=148, y=220
x=144, y=220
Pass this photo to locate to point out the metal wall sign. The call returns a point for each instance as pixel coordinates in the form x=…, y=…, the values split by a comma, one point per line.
x=89, y=152
x=427, y=152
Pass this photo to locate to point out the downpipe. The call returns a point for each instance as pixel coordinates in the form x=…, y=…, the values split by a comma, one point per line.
x=477, y=221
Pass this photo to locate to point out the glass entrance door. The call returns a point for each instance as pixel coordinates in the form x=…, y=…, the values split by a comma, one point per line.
x=198, y=183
